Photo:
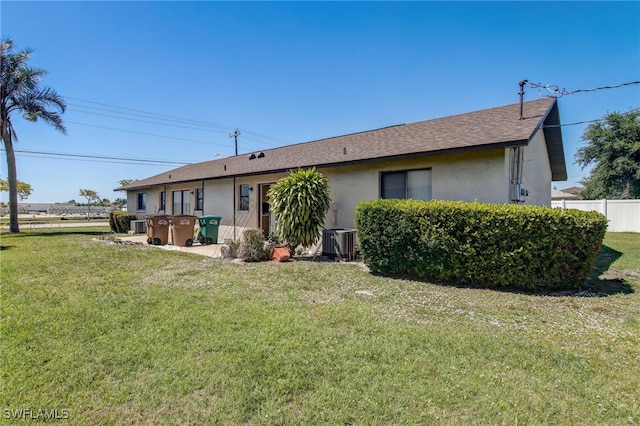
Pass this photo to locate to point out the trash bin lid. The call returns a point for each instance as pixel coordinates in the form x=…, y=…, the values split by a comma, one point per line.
x=209, y=219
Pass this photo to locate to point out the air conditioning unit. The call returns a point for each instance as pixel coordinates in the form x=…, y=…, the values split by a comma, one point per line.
x=138, y=226
x=339, y=242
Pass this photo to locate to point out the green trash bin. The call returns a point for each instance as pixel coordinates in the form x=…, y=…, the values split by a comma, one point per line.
x=209, y=229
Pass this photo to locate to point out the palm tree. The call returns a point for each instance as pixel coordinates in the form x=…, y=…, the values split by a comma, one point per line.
x=21, y=91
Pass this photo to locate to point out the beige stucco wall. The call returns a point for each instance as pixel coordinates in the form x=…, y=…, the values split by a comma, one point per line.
x=474, y=176
x=153, y=199
x=536, y=174
x=218, y=199
x=153, y=202
x=471, y=176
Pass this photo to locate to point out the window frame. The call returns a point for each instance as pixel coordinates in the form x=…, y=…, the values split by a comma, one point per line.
x=141, y=199
x=407, y=188
x=243, y=199
x=163, y=200
x=199, y=199
x=182, y=193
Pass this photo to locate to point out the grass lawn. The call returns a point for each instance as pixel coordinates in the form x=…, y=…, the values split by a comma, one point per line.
x=121, y=334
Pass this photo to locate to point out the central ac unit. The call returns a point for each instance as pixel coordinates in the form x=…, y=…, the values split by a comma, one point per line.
x=138, y=226
x=339, y=242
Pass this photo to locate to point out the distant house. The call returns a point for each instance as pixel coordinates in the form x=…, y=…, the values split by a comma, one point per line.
x=574, y=190
x=557, y=194
x=572, y=193
x=492, y=155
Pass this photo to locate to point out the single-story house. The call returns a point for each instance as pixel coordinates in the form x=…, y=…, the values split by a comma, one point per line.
x=495, y=155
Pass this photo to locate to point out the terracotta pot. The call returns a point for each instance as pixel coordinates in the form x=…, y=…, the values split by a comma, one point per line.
x=280, y=254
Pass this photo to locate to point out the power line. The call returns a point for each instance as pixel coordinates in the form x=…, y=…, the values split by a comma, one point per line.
x=556, y=92
x=146, y=134
x=151, y=115
x=573, y=124
x=88, y=157
x=145, y=121
x=175, y=119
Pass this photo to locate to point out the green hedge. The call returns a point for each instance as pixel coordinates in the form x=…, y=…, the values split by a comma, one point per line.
x=484, y=245
x=120, y=221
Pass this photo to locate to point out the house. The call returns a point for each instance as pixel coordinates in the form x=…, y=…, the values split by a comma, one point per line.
x=572, y=193
x=574, y=190
x=493, y=155
x=557, y=194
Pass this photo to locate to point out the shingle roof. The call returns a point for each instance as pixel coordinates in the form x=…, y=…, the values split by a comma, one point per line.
x=494, y=127
x=560, y=195
x=575, y=190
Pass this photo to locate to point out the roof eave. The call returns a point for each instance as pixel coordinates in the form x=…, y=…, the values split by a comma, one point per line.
x=552, y=128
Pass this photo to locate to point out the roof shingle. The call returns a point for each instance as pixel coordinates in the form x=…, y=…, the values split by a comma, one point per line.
x=492, y=127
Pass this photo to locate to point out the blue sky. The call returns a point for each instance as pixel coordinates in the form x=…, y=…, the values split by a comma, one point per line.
x=292, y=72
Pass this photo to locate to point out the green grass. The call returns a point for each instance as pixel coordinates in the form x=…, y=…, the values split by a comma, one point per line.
x=120, y=334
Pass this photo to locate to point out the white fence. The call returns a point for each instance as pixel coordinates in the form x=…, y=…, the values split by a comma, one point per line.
x=623, y=215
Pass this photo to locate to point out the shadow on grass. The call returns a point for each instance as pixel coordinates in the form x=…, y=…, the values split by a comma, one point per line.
x=5, y=247
x=601, y=283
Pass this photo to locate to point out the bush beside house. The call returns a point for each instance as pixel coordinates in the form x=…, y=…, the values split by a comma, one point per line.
x=299, y=203
x=484, y=245
x=120, y=221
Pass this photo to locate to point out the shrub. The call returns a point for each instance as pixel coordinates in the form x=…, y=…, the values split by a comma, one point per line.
x=120, y=222
x=112, y=220
x=229, y=249
x=485, y=245
x=252, y=246
x=299, y=203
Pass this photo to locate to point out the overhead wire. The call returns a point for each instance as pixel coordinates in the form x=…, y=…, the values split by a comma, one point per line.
x=145, y=121
x=574, y=124
x=147, y=134
x=556, y=92
x=153, y=115
x=101, y=158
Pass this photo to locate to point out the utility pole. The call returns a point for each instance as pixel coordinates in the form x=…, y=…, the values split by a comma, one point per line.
x=235, y=135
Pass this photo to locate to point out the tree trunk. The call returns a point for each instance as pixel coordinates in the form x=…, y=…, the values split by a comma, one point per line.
x=13, y=184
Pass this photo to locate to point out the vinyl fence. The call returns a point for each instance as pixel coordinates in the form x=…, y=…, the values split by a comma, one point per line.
x=623, y=215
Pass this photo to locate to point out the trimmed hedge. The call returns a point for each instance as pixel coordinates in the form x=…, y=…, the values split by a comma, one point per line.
x=120, y=221
x=484, y=245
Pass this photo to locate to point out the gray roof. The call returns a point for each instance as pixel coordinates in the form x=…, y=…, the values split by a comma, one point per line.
x=488, y=128
x=560, y=195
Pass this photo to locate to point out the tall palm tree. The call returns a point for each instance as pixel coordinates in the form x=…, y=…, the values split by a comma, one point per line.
x=21, y=91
